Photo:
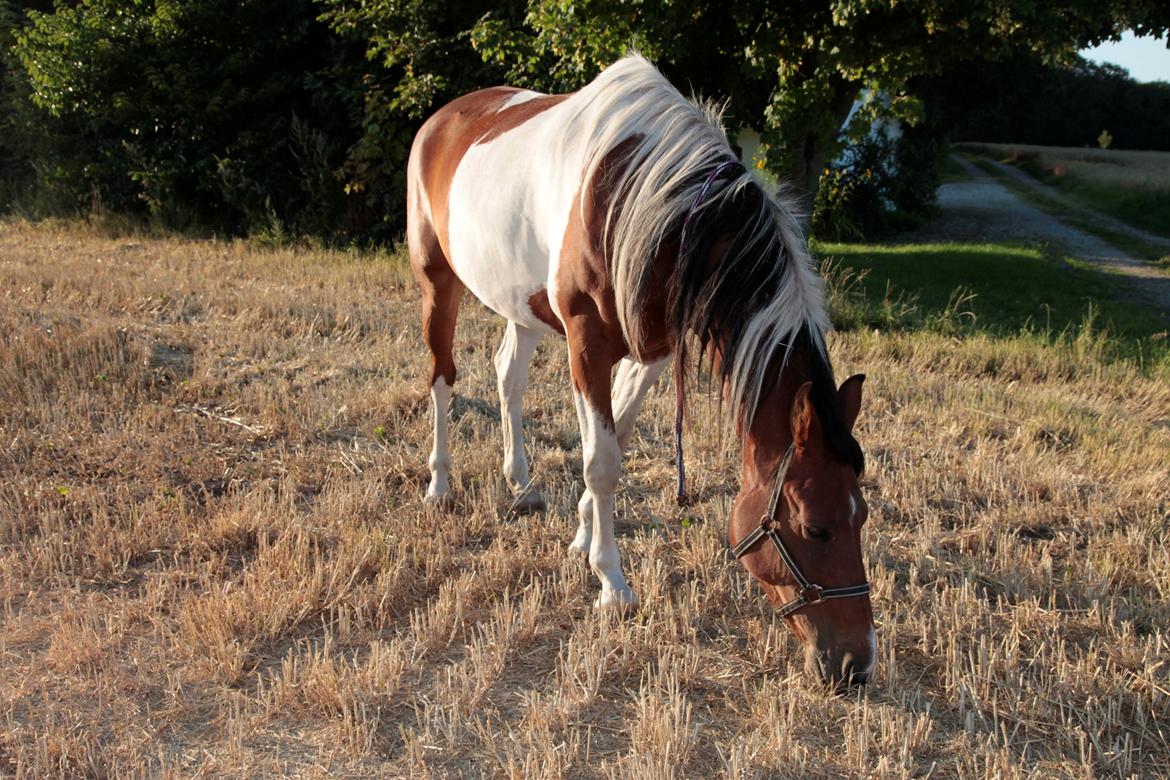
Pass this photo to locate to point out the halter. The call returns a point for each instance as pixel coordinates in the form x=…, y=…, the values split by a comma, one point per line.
x=809, y=593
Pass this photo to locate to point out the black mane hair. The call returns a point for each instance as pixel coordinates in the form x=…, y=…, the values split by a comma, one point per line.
x=714, y=301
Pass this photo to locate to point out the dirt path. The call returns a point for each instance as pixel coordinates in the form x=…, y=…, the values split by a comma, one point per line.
x=1103, y=220
x=980, y=208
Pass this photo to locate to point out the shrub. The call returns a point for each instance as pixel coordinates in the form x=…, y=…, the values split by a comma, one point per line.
x=209, y=114
x=879, y=186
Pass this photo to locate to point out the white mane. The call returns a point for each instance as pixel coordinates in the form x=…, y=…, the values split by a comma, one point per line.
x=671, y=141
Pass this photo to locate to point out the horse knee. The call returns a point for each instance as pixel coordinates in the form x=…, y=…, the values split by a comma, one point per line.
x=602, y=470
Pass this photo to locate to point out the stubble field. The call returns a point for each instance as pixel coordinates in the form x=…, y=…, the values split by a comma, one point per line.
x=215, y=560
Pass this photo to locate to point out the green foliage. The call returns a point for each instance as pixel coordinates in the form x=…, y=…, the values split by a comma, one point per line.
x=879, y=186
x=207, y=114
x=294, y=117
x=419, y=56
x=792, y=71
x=1024, y=100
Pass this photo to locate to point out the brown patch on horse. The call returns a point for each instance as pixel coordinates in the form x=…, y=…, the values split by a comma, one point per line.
x=445, y=138
x=514, y=116
x=585, y=291
x=541, y=308
x=585, y=296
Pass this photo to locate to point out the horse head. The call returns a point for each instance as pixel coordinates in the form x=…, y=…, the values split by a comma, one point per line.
x=796, y=523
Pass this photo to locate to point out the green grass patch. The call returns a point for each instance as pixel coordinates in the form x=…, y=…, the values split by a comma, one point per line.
x=992, y=289
x=1148, y=209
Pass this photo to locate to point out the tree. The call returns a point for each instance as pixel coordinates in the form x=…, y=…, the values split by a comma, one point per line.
x=219, y=114
x=795, y=69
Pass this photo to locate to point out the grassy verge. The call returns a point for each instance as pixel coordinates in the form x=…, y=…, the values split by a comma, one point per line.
x=1149, y=210
x=993, y=290
x=1134, y=246
x=952, y=171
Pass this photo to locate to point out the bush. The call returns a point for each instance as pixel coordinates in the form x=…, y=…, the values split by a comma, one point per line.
x=879, y=186
x=214, y=115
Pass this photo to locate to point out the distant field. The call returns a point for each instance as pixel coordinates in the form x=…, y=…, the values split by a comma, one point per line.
x=1132, y=186
x=215, y=560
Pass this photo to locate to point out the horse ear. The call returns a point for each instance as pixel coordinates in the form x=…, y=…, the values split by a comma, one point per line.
x=849, y=397
x=804, y=417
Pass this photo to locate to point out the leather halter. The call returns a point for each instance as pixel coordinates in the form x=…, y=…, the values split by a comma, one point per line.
x=809, y=594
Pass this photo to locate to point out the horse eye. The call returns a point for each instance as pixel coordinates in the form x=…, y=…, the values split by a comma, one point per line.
x=817, y=533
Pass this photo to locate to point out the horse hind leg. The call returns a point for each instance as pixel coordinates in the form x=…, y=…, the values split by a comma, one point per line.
x=630, y=385
x=512, y=359
x=441, y=292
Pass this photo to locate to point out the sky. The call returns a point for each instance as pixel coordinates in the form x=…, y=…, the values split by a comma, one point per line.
x=1146, y=59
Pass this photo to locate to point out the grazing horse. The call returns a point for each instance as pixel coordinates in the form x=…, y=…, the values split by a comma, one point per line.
x=619, y=217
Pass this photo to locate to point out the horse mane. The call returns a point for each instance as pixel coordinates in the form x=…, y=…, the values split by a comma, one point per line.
x=764, y=299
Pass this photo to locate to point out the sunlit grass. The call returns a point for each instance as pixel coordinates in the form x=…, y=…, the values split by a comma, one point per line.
x=215, y=560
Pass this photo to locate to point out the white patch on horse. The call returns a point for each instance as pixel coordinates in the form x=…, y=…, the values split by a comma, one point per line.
x=630, y=385
x=512, y=361
x=602, y=457
x=507, y=197
x=523, y=96
x=852, y=510
x=440, y=460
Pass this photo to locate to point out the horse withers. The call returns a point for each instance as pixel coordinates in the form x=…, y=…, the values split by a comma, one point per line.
x=618, y=217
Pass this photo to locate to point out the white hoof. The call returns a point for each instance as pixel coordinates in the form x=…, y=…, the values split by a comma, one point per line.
x=439, y=500
x=622, y=599
x=582, y=541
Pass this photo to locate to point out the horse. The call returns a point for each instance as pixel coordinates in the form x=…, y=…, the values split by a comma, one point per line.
x=619, y=217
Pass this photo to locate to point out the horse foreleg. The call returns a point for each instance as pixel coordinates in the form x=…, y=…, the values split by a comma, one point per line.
x=512, y=360
x=630, y=385
x=602, y=459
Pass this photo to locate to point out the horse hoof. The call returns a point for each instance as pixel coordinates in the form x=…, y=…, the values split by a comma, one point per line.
x=527, y=502
x=625, y=601
x=444, y=501
x=581, y=542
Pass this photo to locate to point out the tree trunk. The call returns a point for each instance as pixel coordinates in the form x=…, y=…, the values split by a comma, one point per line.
x=810, y=160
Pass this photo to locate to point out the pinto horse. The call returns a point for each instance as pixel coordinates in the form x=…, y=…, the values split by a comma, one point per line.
x=619, y=217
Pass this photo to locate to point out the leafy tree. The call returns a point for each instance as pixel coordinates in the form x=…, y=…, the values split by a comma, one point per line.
x=218, y=113
x=794, y=69
x=1025, y=101
x=419, y=57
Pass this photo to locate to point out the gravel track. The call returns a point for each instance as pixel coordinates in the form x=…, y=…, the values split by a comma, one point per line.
x=979, y=208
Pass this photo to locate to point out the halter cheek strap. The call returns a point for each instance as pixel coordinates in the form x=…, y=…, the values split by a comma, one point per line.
x=809, y=593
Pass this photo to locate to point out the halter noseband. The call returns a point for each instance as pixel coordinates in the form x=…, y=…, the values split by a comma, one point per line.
x=809, y=593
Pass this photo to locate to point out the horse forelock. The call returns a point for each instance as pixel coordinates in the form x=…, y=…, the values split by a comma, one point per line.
x=757, y=300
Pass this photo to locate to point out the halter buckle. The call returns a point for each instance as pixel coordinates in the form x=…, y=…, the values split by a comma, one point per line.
x=813, y=594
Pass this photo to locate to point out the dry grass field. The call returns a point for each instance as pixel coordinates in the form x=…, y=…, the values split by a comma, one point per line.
x=215, y=560
x=1118, y=167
